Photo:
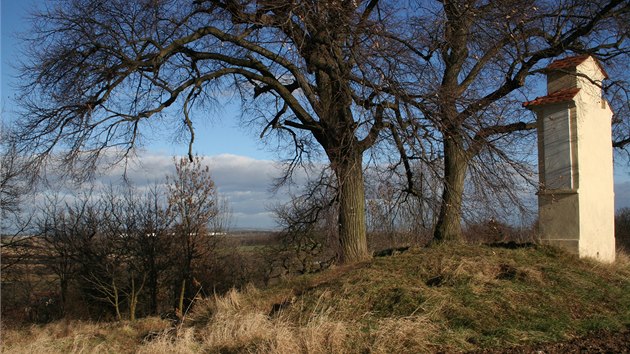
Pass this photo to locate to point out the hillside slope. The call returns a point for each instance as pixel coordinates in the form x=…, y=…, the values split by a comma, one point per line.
x=444, y=298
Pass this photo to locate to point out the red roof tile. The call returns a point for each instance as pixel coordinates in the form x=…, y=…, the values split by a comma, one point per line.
x=569, y=62
x=572, y=62
x=556, y=97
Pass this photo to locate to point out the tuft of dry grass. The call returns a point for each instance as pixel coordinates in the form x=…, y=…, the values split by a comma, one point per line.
x=398, y=335
x=229, y=327
x=183, y=342
x=232, y=327
x=78, y=337
x=236, y=329
x=622, y=260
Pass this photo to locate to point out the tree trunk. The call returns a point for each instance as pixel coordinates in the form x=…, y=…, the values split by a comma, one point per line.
x=115, y=301
x=153, y=291
x=63, y=284
x=449, y=227
x=352, y=231
x=133, y=300
x=180, y=300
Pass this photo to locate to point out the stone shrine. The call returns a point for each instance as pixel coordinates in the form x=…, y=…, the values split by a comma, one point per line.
x=576, y=196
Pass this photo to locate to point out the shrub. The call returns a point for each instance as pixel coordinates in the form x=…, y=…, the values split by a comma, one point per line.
x=622, y=229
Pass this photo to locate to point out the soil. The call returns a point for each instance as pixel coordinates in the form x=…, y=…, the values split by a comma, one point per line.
x=597, y=342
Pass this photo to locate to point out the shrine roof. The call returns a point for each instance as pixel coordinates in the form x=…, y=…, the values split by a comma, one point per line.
x=556, y=97
x=572, y=62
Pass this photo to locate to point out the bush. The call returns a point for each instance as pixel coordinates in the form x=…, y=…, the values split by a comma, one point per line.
x=494, y=231
x=622, y=229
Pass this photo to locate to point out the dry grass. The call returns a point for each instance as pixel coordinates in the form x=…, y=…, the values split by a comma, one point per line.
x=182, y=343
x=231, y=327
x=78, y=337
x=397, y=335
x=442, y=298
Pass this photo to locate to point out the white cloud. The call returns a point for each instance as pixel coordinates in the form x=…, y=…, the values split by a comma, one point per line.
x=240, y=174
x=245, y=183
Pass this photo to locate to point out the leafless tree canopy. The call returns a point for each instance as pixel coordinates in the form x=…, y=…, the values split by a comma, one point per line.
x=102, y=71
x=440, y=82
x=123, y=249
x=468, y=65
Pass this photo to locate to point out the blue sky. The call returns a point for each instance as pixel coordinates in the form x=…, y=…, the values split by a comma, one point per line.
x=244, y=168
x=217, y=136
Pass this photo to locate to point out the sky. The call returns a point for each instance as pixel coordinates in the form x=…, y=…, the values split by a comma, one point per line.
x=244, y=181
x=243, y=169
x=215, y=137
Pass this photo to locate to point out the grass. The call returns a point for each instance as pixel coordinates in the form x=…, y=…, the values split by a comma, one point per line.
x=79, y=337
x=443, y=298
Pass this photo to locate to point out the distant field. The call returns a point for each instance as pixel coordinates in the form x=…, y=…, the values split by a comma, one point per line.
x=253, y=238
x=445, y=298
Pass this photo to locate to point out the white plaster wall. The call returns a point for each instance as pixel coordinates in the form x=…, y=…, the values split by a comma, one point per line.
x=589, y=78
x=558, y=203
x=595, y=166
x=559, y=217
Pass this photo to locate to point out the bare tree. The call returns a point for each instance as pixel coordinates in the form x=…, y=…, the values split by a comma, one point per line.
x=16, y=222
x=100, y=72
x=69, y=232
x=471, y=60
x=108, y=246
x=617, y=90
x=139, y=225
x=308, y=241
x=395, y=216
x=193, y=203
x=153, y=244
x=332, y=75
x=10, y=186
x=622, y=228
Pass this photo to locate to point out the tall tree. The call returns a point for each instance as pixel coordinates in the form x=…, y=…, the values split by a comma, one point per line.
x=472, y=59
x=73, y=246
x=99, y=72
x=331, y=75
x=141, y=222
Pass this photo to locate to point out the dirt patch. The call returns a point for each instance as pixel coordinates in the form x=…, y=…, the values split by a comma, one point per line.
x=597, y=342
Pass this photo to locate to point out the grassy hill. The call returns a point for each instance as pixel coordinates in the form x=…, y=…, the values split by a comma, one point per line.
x=443, y=298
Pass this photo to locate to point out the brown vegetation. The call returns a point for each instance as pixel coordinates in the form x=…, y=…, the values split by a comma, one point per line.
x=442, y=298
x=622, y=229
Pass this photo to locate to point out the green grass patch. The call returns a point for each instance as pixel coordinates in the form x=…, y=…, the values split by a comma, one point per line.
x=479, y=296
x=444, y=298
